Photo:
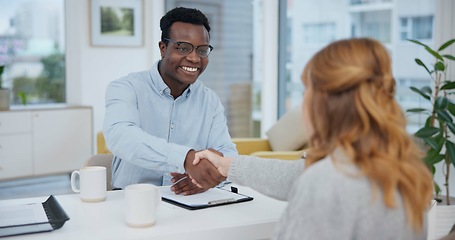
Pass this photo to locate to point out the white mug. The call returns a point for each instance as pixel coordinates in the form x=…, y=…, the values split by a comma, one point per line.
x=141, y=204
x=92, y=183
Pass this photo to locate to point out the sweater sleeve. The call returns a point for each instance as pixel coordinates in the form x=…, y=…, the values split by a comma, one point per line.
x=271, y=177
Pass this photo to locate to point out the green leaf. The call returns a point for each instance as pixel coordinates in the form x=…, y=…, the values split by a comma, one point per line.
x=419, y=62
x=431, y=142
x=423, y=94
x=426, y=132
x=449, y=57
x=433, y=155
x=426, y=89
x=441, y=103
x=437, y=189
x=443, y=115
x=440, y=141
x=417, y=42
x=416, y=110
x=435, y=159
x=451, y=108
x=451, y=127
x=23, y=97
x=448, y=43
x=439, y=66
x=435, y=54
x=448, y=85
x=428, y=121
x=451, y=151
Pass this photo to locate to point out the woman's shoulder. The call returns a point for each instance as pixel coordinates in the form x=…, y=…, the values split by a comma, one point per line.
x=333, y=168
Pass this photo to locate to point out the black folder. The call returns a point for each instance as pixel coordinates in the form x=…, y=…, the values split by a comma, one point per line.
x=56, y=217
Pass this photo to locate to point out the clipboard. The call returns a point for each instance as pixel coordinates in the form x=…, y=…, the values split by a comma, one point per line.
x=54, y=218
x=211, y=198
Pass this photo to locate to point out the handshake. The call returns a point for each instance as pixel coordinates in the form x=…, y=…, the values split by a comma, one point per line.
x=204, y=170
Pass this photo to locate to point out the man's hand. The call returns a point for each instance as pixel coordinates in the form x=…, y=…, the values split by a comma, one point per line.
x=182, y=184
x=204, y=173
x=221, y=163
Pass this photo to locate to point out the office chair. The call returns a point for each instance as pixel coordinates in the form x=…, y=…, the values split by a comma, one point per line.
x=104, y=160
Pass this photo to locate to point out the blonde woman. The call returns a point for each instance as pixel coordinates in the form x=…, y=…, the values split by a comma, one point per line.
x=363, y=178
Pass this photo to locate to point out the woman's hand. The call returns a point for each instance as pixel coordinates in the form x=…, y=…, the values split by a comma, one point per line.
x=221, y=163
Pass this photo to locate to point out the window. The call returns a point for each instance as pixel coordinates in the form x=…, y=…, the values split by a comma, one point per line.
x=358, y=18
x=419, y=28
x=32, y=48
x=318, y=33
x=375, y=24
x=230, y=71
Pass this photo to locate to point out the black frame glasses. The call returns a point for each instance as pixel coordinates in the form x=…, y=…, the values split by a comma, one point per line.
x=186, y=48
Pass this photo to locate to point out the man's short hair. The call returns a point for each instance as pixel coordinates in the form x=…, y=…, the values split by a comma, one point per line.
x=182, y=14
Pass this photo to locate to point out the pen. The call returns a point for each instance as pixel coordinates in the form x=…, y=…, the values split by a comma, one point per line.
x=221, y=201
x=181, y=179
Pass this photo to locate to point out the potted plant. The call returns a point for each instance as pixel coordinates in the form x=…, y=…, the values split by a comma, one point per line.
x=4, y=92
x=435, y=133
x=439, y=123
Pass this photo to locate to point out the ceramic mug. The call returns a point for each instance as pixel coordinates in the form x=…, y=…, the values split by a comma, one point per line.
x=92, y=183
x=141, y=204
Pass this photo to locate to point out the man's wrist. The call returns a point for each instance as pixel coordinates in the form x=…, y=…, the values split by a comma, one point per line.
x=189, y=158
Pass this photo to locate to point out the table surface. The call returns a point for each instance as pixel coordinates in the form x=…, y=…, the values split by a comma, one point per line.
x=105, y=220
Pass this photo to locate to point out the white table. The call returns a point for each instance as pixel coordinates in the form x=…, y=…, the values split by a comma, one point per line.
x=249, y=220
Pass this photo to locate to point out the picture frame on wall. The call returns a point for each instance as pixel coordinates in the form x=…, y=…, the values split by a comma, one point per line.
x=116, y=23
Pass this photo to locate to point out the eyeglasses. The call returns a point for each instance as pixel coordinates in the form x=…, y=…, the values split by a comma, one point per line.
x=186, y=48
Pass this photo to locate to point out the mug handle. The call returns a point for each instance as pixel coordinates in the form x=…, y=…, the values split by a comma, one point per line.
x=73, y=181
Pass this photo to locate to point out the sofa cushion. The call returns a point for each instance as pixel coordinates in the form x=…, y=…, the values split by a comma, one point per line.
x=288, y=133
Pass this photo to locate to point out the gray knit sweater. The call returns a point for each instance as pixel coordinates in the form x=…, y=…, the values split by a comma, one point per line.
x=326, y=201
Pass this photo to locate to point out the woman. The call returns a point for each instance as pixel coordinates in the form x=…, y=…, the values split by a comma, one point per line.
x=363, y=178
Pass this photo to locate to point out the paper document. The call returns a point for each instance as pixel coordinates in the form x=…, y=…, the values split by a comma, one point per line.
x=31, y=217
x=22, y=214
x=211, y=197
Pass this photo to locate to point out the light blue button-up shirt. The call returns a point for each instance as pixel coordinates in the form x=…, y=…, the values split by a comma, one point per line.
x=149, y=132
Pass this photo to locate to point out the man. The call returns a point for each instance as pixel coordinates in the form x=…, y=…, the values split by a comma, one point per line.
x=156, y=120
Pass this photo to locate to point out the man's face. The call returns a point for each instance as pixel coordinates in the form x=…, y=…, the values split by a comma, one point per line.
x=178, y=70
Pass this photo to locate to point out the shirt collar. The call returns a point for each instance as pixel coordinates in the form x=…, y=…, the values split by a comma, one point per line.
x=158, y=81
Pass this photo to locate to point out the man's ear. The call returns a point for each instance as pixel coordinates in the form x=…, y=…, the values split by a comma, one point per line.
x=162, y=47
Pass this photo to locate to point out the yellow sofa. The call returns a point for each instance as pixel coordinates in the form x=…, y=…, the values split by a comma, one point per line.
x=260, y=147
x=101, y=147
x=245, y=146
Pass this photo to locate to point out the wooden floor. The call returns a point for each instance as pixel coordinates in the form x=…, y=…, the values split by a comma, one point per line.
x=33, y=187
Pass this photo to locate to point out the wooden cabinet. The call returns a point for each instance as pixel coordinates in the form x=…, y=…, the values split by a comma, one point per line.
x=36, y=142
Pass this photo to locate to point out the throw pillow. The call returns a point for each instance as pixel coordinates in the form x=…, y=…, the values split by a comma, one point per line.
x=288, y=133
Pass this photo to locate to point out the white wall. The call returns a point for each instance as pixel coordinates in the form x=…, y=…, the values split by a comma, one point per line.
x=90, y=68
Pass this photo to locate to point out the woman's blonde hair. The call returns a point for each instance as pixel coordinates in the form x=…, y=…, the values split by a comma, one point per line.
x=352, y=107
